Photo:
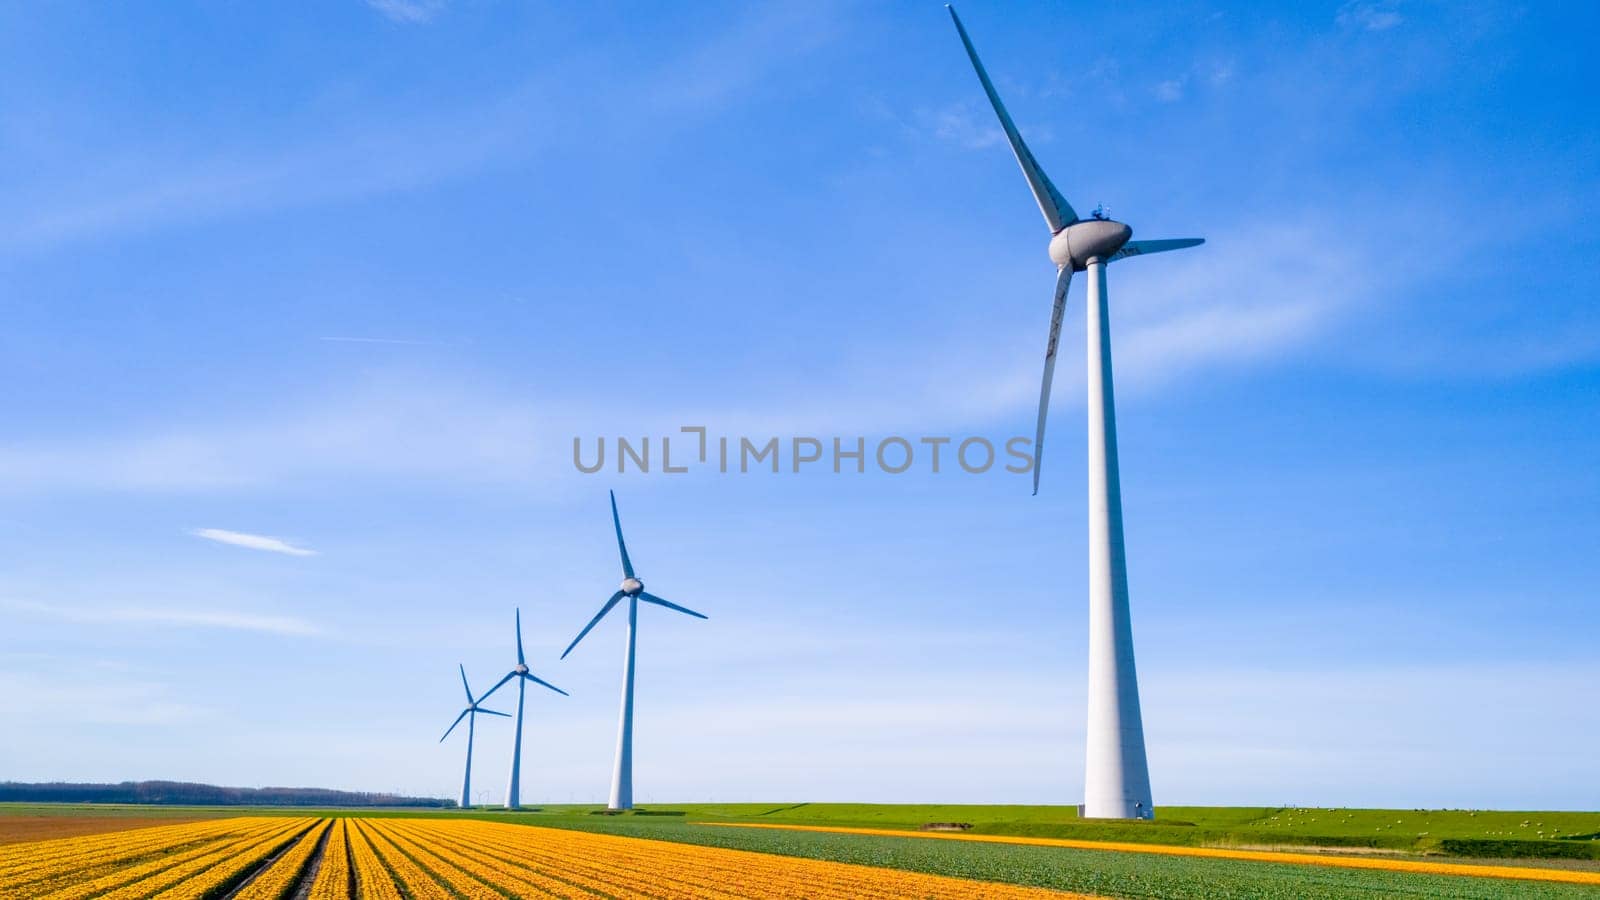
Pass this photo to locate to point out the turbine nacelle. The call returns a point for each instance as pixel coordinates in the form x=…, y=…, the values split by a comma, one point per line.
x=521, y=669
x=1091, y=240
x=632, y=586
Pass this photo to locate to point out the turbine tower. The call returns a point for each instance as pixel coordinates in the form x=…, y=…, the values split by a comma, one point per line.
x=523, y=676
x=1116, y=776
x=632, y=589
x=471, y=715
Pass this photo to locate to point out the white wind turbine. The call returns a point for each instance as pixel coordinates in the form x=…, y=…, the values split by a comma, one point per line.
x=1116, y=775
x=632, y=589
x=523, y=676
x=471, y=715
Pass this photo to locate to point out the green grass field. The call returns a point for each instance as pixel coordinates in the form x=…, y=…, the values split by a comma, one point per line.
x=1103, y=872
x=1471, y=833
x=1573, y=835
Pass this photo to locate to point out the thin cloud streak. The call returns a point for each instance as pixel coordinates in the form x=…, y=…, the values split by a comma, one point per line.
x=964, y=125
x=90, y=698
x=359, y=163
x=225, y=620
x=389, y=431
x=1369, y=16
x=374, y=340
x=408, y=12
x=727, y=65
x=145, y=190
x=1243, y=299
x=252, y=541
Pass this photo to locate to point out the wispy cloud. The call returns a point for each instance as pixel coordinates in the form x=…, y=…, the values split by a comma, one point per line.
x=337, y=339
x=252, y=541
x=410, y=12
x=1250, y=297
x=80, y=695
x=734, y=60
x=1170, y=91
x=399, y=429
x=1369, y=16
x=1447, y=729
x=1241, y=298
x=1246, y=298
x=968, y=124
x=354, y=154
x=360, y=163
x=227, y=620
x=963, y=125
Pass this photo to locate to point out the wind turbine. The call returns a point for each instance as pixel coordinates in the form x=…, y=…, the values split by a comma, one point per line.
x=633, y=589
x=523, y=676
x=1116, y=775
x=471, y=715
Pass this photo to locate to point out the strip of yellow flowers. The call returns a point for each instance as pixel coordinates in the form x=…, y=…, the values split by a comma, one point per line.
x=333, y=873
x=1566, y=876
x=508, y=867
x=94, y=873
x=28, y=851
x=502, y=870
x=278, y=880
x=428, y=873
x=373, y=880
x=37, y=859
x=199, y=877
x=498, y=854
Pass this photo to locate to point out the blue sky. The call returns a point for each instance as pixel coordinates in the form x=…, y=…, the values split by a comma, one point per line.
x=352, y=276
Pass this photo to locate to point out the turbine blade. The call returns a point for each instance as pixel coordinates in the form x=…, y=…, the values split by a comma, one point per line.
x=1058, y=213
x=520, y=660
x=464, y=683
x=1057, y=310
x=455, y=723
x=1145, y=248
x=497, y=686
x=537, y=680
x=491, y=712
x=592, y=622
x=627, y=566
x=652, y=598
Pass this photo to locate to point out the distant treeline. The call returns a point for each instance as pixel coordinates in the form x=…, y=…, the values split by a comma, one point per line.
x=184, y=794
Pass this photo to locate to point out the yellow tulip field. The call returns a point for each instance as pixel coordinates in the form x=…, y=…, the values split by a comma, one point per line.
x=262, y=858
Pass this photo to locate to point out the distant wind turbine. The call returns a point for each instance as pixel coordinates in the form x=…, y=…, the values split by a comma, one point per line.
x=523, y=676
x=1117, y=776
x=471, y=715
x=633, y=590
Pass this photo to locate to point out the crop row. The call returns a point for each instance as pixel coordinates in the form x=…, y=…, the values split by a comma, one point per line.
x=488, y=860
x=20, y=863
x=334, y=872
x=210, y=875
x=286, y=872
x=106, y=866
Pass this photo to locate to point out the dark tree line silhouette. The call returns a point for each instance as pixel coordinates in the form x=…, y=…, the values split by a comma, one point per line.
x=187, y=794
